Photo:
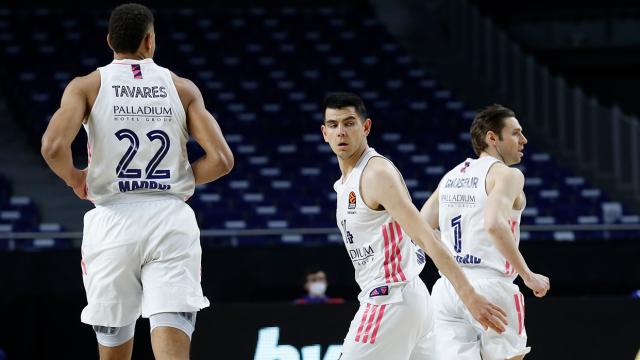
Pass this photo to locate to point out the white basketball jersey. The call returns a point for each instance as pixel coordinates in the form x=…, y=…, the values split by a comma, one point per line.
x=384, y=257
x=462, y=198
x=137, y=134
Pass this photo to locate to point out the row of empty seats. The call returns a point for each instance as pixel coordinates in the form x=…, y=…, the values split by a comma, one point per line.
x=263, y=74
x=20, y=214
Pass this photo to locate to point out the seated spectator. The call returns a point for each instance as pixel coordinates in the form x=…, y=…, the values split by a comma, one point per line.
x=316, y=287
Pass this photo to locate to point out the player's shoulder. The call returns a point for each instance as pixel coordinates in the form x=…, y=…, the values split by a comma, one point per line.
x=500, y=171
x=380, y=169
x=183, y=83
x=380, y=165
x=187, y=89
x=85, y=82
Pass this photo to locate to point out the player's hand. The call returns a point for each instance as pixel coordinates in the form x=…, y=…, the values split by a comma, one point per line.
x=79, y=183
x=486, y=313
x=538, y=283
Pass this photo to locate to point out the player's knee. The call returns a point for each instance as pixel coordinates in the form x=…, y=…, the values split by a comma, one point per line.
x=112, y=336
x=184, y=321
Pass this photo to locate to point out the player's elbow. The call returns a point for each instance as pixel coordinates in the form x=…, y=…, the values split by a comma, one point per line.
x=226, y=161
x=50, y=148
x=493, y=226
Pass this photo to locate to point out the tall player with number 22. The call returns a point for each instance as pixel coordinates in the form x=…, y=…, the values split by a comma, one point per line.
x=141, y=243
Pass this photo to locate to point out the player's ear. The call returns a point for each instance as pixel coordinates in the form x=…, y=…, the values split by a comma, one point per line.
x=109, y=42
x=323, y=129
x=367, y=126
x=491, y=138
x=148, y=41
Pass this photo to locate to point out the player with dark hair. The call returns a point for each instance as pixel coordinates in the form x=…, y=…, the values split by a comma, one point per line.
x=477, y=207
x=386, y=241
x=141, y=243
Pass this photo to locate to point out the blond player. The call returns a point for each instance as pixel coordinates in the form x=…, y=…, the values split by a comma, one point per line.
x=385, y=238
x=140, y=248
x=477, y=207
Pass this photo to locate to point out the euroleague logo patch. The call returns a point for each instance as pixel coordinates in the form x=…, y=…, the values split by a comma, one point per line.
x=352, y=200
x=379, y=291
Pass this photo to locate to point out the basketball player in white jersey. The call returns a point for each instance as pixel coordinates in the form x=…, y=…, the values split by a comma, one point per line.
x=141, y=248
x=477, y=207
x=385, y=238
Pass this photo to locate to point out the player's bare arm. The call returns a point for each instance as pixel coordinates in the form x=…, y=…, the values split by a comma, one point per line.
x=64, y=127
x=382, y=186
x=504, y=185
x=430, y=210
x=203, y=127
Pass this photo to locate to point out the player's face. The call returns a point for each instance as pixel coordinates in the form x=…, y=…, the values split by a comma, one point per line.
x=344, y=131
x=511, y=146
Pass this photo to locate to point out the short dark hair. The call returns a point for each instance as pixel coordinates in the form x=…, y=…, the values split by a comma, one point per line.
x=488, y=119
x=128, y=25
x=339, y=100
x=310, y=270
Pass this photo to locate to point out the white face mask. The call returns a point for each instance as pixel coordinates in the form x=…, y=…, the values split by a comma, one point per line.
x=317, y=288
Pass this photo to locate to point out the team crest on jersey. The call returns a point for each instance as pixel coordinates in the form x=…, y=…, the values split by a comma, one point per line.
x=379, y=291
x=466, y=165
x=352, y=200
x=137, y=72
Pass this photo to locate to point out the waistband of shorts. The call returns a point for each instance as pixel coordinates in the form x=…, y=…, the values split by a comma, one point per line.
x=131, y=198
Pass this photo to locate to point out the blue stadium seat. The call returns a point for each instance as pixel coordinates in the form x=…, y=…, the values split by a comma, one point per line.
x=266, y=92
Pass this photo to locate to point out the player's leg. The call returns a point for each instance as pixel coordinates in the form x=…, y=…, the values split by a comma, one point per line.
x=453, y=337
x=115, y=343
x=171, y=334
x=122, y=352
x=388, y=331
x=110, y=268
x=424, y=349
x=171, y=280
x=378, y=332
x=512, y=343
x=170, y=343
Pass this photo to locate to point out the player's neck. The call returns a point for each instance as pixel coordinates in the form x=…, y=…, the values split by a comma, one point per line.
x=139, y=55
x=491, y=152
x=346, y=165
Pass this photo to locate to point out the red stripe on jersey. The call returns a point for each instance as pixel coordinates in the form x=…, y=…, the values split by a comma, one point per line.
x=513, y=223
x=508, y=269
x=516, y=298
x=364, y=317
x=387, y=274
x=369, y=323
x=398, y=252
x=377, y=326
x=522, y=302
x=394, y=251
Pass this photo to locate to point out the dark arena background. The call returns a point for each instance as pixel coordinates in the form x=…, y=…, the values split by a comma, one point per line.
x=567, y=68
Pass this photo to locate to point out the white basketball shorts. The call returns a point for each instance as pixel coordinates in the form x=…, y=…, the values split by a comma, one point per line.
x=457, y=335
x=140, y=258
x=395, y=331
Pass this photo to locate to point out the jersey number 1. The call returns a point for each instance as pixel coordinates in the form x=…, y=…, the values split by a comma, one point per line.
x=456, y=223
